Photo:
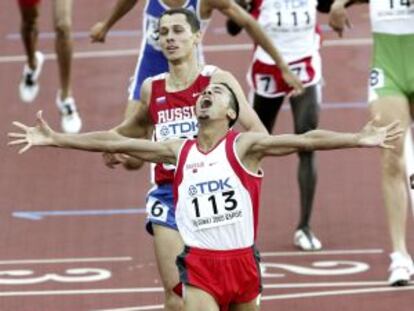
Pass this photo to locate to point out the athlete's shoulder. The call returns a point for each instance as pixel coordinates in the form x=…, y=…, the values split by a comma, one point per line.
x=209, y=70
x=221, y=75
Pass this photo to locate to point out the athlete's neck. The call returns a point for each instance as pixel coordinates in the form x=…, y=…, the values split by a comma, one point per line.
x=182, y=74
x=209, y=135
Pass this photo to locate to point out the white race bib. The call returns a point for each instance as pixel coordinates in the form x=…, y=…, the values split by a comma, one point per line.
x=292, y=16
x=213, y=209
x=382, y=10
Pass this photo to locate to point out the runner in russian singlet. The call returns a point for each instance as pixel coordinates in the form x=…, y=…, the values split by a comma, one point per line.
x=151, y=61
x=173, y=116
x=292, y=27
x=217, y=212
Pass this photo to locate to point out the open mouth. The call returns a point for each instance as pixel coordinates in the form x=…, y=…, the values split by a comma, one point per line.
x=206, y=103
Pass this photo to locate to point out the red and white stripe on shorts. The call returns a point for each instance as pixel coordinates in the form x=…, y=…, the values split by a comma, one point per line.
x=266, y=79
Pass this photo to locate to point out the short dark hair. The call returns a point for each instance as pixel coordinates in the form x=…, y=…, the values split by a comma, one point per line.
x=234, y=103
x=190, y=17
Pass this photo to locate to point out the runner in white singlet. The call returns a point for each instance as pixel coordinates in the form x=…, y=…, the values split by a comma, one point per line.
x=292, y=27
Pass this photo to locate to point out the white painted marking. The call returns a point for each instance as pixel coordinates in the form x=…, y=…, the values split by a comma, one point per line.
x=206, y=48
x=301, y=295
x=347, y=42
x=325, y=284
x=143, y=308
x=80, y=275
x=339, y=292
x=63, y=260
x=98, y=291
x=318, y=268
x=103, y=291
x=323, y=253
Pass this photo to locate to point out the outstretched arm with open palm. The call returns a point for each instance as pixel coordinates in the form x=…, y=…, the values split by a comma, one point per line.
x=39, y=135
x=278, y=145
x=42, y=135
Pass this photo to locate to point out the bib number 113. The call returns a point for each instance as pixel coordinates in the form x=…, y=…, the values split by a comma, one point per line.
x=229, y=204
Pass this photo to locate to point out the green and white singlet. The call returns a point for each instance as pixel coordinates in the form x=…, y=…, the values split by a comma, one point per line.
x=392, y=72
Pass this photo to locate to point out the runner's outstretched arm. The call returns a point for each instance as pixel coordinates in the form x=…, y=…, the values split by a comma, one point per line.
x=106, y=141
x=369, y=136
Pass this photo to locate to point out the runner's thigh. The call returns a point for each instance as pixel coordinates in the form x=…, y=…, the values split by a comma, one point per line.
x=305, y=109
x=197, y=299
x=62, y=10
x=168, y=245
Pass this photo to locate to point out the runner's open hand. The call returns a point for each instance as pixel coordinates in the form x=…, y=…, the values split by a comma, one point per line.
x=376, y=136
x=39, y=135
x=293, y=81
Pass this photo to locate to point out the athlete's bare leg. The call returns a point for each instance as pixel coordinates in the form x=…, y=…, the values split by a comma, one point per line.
x=29, y=32
x=62, y=19
x=197, y=299
x=248, y=306
x=168, y=245
x=393, y=169
x=305, y=109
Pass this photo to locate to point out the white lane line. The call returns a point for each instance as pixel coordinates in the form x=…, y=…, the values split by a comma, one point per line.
x=207, y=49
x=127, y=33
x=143, y=308
x=339, y=292
x=323, y=253
x=133, y=290
x=82, y=292
x=325, y=284
x=300, y=295
x=347, y=42
x=64, y=260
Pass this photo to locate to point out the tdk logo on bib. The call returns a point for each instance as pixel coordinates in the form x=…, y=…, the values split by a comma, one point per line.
x=291, y=4
x=180, y=129
x=209, y=187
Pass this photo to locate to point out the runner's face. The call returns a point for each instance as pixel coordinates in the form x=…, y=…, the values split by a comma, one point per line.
x=214, y=103
x=176, y=38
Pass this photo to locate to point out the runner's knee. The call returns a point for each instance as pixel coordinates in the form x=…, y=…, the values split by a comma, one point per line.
x=393, y=163
x=63, y=28
x=29, y=26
